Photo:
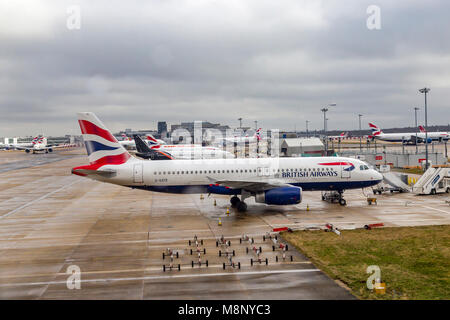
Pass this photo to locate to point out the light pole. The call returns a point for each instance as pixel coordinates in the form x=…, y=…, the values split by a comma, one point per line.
x=425, y=91
x=324, y=110
x=360, y=135
x=240, y=123
x=307, y=134
x=415, y=117
x=256, y=125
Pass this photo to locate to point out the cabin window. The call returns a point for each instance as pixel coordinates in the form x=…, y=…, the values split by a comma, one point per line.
x=228, y=171
x=214, y=171
x=195, y=172
x=178, y=172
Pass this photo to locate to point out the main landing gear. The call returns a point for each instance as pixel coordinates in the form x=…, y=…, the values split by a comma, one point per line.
x=241, y=206
x=334, y=196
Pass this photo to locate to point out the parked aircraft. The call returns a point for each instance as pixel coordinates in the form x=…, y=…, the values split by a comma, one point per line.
x=404, y=137
x=38, y=144
x=145, y=152
x=433, y=136
x=343, y=135
x=129, y=143
x=273, y=181
x=242, y=139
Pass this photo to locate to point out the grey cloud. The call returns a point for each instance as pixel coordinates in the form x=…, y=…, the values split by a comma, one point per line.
x=137, y=62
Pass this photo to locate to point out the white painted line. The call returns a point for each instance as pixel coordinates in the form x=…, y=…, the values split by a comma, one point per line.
x=436, y=209
x=39, y=199
x=243, y=273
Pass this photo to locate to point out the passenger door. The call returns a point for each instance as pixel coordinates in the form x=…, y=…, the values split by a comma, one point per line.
x=345, y=173
x=138, y=173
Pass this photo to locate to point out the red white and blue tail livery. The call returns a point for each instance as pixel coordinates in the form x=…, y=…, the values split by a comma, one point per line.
x=102, y=147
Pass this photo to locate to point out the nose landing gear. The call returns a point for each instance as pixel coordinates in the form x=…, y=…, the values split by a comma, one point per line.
x=334, y=196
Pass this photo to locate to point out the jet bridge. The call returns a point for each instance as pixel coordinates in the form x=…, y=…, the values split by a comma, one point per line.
x=432, y=181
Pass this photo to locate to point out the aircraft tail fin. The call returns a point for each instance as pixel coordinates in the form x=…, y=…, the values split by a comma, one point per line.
x=102, y=147
x=141, y=146
x=152, y=140
x=422, y=129
x=375, y=130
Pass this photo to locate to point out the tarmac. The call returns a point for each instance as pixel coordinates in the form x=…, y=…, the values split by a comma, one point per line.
x=52, y=222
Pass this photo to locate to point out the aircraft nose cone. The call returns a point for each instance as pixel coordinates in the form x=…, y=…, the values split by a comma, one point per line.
x=377, y=175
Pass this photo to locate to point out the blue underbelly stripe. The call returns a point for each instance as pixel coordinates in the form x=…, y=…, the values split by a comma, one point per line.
x=306, y=186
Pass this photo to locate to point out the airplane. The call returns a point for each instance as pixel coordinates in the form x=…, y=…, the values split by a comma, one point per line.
x=145, y=152
x=192, y=151
x=130, y=143
x=240, y=140
x=38, y=144
x=405, y=138
x=433, y=136
x=152, y=139
x=343, y=135
x=273, y=181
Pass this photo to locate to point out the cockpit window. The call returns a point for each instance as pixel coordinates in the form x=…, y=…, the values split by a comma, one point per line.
x=363, y=167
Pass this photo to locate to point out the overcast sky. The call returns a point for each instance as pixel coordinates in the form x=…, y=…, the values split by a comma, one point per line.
x=136, y=62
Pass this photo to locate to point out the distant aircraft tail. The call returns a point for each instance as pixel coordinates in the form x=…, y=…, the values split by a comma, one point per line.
x=125, y=137
x=375, y=130
x=143, y=150
x=152, y=140
x=141, y=146
x=422, y=129
x=102, y=147
x=258, y=134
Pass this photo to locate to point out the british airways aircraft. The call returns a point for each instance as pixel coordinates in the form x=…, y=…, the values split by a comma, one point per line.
x=273, y=181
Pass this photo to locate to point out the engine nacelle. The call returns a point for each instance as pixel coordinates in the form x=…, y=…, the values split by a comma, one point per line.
x=280, y=196
x=50, y=150
x=27, y=150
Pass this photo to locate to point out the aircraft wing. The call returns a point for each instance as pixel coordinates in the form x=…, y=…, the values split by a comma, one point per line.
x=59, y=146
x=252, y=186
x=19, y=147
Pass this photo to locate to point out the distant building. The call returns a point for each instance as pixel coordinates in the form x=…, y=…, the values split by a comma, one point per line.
x=301, y=147
x=162, y=127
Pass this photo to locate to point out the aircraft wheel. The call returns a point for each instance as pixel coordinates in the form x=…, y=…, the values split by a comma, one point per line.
x=433, y=191
x=241, y=206
x=448, y=190
x=234, y=201
x=342, y=202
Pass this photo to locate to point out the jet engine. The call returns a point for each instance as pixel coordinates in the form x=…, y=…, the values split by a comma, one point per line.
x=280, y=196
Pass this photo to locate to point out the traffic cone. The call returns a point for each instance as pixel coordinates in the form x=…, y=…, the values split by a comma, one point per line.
x=228, y=211
x=215, y=203
x=307, y=207
x=201, y=196
x=220, y=222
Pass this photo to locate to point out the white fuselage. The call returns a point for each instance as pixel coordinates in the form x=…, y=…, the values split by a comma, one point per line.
x=321, y=173
x=195, y=152
x=406, y=137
